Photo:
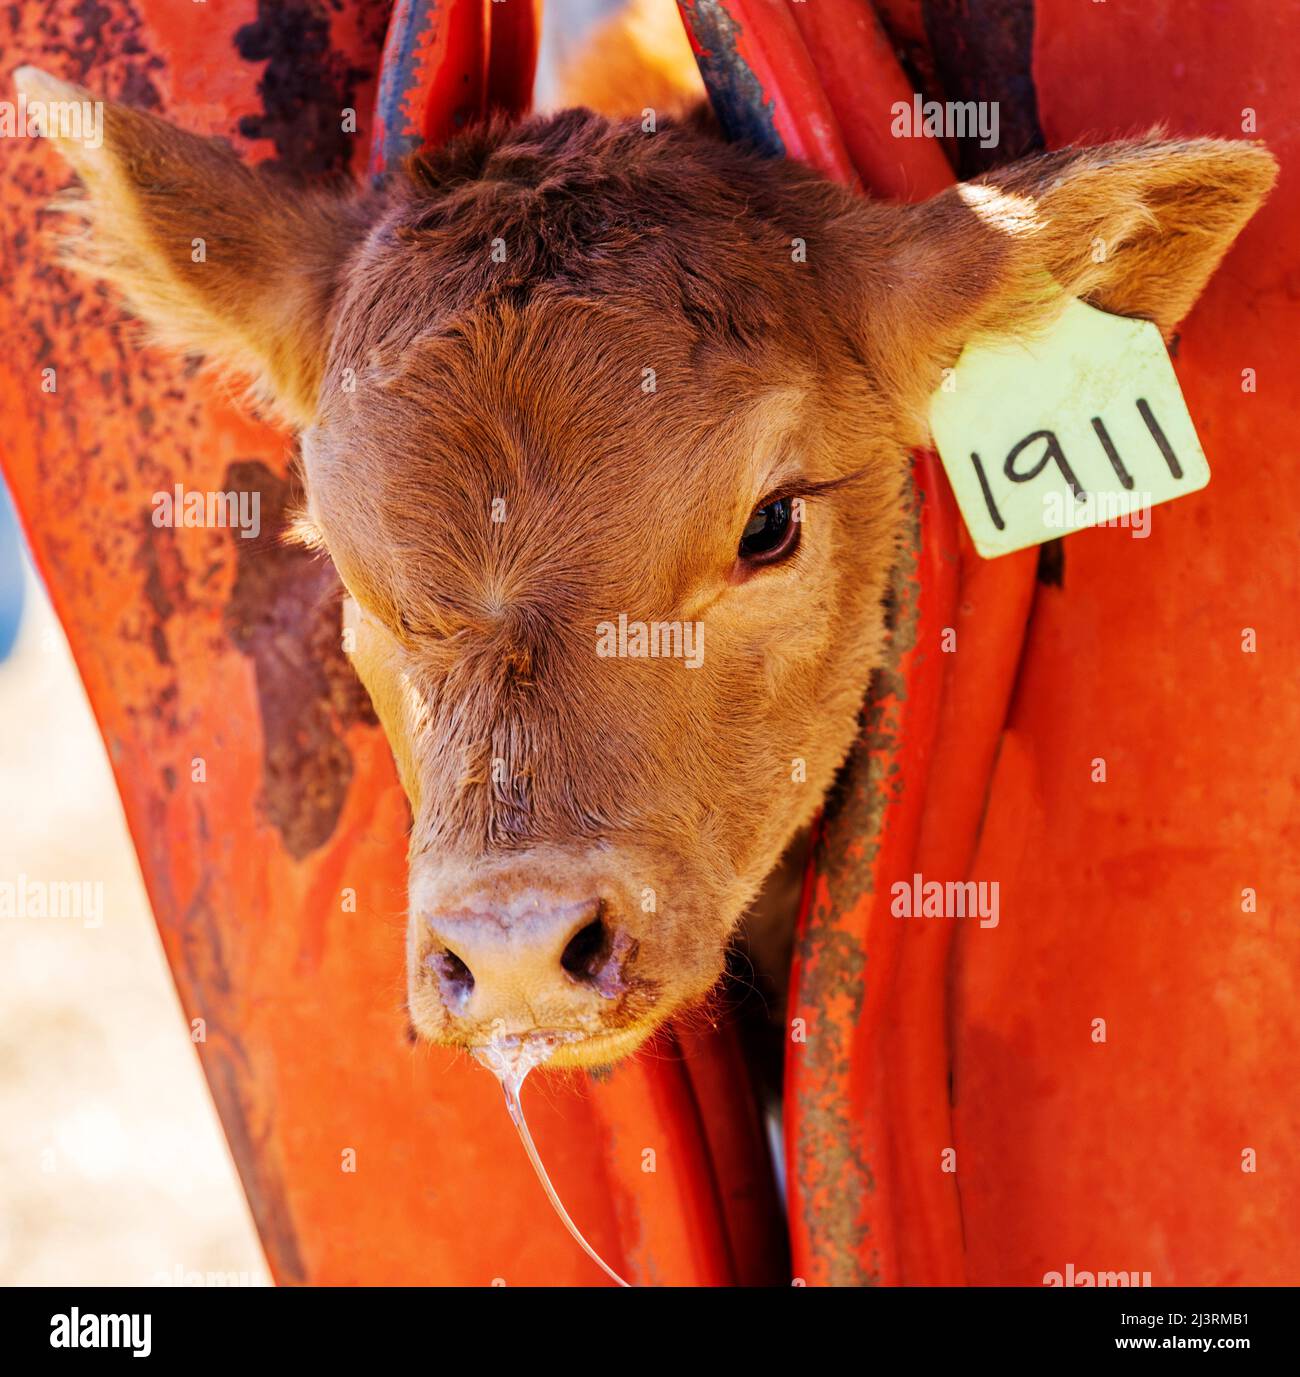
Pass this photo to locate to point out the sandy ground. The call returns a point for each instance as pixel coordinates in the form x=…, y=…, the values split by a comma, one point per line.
x=112, y=1164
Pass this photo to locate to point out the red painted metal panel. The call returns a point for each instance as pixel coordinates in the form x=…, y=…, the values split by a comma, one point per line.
x=1123, y=900
x=516, y=33
x=989, y=618
x=862, y=81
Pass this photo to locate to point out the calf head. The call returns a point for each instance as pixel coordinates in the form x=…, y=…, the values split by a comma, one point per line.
x=606, y=433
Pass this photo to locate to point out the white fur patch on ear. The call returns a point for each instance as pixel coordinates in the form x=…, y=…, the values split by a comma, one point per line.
x=34, y=83
x=1001, y=210
x=101, y=238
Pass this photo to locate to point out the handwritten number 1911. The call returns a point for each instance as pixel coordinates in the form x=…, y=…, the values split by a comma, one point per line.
x=1053, y=453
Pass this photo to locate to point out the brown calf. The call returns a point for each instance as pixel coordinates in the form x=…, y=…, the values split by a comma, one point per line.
x=606, y=433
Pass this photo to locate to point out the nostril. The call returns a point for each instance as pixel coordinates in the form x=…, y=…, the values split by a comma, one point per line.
x=588, y=951
x=454, y=976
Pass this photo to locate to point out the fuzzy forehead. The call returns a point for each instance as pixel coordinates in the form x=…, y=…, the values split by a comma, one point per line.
x=552, y=355
x=677, y=223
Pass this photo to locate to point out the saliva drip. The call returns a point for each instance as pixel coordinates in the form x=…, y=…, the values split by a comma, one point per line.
x=510, y=1060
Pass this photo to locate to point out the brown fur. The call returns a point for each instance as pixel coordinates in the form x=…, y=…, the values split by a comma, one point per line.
x=433, y=381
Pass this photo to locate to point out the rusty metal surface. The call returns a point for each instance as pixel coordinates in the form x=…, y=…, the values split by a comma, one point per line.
x=762, y=82
x=839, y=1155
x=433, y=77
x=838, y=1082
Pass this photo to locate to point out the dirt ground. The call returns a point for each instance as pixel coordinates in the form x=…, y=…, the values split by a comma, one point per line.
x=113, y=1169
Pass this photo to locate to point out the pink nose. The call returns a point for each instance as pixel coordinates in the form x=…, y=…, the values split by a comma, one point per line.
x=529, y=965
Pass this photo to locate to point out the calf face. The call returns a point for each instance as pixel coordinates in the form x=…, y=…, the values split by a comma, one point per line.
x=606, y=433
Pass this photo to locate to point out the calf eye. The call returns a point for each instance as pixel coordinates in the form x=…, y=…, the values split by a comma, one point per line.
x=771, y=533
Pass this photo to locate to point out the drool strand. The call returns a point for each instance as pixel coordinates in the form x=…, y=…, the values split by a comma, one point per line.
x=510, y=1061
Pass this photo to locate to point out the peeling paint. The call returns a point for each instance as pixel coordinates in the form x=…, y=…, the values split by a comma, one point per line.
x=834, y=1172
x=744, y=110
x=284, y=614
x=304, y=88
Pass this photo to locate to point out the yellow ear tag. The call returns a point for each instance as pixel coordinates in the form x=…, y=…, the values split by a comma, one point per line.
x=1082, y=426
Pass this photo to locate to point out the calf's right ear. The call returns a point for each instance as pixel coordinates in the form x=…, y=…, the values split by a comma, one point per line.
x=216, y=257
x=1136, y=228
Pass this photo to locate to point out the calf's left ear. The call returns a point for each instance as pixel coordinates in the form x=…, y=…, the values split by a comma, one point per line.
x=216, y=257
x=1136, y=228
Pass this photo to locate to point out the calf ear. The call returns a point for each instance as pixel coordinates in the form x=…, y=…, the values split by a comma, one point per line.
x=1136, y=228
x=216, y=257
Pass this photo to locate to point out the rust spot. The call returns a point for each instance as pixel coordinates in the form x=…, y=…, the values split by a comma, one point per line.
x=160, y=565
x=745, y=111
x=284, y=614
x=304, y=88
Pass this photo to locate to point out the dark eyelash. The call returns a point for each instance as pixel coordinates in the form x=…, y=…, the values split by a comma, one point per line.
x=802, y=488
